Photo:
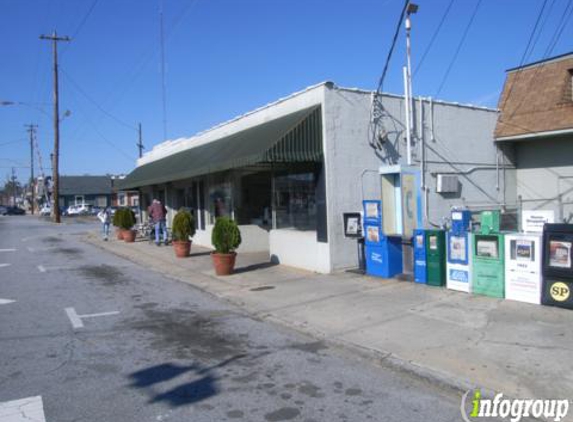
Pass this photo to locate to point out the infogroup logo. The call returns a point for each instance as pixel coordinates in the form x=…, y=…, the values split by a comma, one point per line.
x=474, y=407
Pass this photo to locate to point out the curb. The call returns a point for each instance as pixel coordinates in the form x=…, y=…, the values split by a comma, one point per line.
x=379, y=357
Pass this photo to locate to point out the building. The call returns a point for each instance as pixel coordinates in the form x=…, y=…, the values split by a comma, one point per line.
x=288, y=171
x=91, y=190
x=535, y=126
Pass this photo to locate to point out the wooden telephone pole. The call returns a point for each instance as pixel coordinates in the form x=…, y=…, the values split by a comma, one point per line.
x=140, y=142
x=32, y=131
x=56, y=180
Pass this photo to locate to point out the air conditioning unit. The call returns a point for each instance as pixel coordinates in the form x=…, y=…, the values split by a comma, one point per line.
x=447, y=183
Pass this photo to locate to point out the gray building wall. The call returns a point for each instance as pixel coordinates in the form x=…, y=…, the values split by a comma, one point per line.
x=545, y=175
x=462, y=144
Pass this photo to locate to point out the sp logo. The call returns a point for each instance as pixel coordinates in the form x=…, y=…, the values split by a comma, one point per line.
x=560, y=291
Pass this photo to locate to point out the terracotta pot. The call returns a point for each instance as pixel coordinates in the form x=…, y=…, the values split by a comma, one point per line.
x=129, y=236
x=182, y=249
x=224, y=263
x=118, y=233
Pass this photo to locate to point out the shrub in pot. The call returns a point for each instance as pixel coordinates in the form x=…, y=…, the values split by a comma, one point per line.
x=115, y=222
x=126, y=223
x=183, y=230
x=226, y=237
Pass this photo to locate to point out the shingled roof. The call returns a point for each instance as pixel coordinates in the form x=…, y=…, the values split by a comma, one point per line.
x=85, y=185
x=537, y=99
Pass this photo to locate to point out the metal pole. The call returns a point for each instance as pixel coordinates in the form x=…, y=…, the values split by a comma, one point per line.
x=407, y=110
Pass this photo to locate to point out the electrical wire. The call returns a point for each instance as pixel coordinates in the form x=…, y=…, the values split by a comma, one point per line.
x=392, y=46
x=461, y=43
x=12, y=142
x=436, y=32
x=80, y=26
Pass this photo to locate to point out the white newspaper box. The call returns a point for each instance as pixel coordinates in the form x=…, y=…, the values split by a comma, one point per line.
x=523, y=280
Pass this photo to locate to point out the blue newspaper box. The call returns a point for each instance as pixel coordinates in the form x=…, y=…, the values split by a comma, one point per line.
x=420, y=269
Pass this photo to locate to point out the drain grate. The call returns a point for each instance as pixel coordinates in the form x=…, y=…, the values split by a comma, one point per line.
x=260, y=289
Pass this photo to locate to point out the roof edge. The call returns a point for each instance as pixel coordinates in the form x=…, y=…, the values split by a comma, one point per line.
x=541, y=62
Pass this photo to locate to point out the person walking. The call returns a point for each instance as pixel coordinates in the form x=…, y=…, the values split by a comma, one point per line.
x=158, y=214
x=105, y=218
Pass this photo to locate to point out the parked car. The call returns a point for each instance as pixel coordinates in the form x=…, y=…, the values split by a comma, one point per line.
x=3, y=210
x=78, y=209
x=15, y=211
x=46, y=210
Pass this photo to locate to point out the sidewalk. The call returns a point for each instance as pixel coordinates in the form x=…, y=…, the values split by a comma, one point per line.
x=462, y=341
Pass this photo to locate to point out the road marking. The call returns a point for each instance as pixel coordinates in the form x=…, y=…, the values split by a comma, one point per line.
x=5, y=302
x=44, y=269
x=4, y=265
x=41, y=268
x=45, y=249
x=29, y=409
x=8, y=250
x=76, y=319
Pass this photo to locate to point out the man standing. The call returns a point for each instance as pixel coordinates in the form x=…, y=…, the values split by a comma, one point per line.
x=158, y=214
x=105, y=218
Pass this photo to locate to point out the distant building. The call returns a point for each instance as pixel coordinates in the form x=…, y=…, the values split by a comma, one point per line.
x=91, y=190
x=535, y=127
x=286, y=172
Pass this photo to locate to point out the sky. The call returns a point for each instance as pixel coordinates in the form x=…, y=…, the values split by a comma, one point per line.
x=223, y=58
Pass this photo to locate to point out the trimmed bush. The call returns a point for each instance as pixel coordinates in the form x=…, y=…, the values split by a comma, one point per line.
x=183, y=225
x=226, y=236
x=116, y=217
x=126, y=219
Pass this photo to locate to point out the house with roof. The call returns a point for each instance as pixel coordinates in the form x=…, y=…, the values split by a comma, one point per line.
x=92, y=190
x=287, y=172
x=535, y=127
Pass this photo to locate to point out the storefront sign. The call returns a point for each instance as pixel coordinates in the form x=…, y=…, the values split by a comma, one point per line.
x=533, y=221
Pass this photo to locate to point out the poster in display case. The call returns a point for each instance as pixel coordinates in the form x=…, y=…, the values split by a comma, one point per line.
x=522, y=250
x=433, y=243
x=560, y=254
x=487, y=248
x=420, y=241
x=373, y=234
x=372, y=210
x=457, y=248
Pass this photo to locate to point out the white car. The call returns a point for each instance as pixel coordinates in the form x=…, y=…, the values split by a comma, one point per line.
x=46, y=210
x=78, y=209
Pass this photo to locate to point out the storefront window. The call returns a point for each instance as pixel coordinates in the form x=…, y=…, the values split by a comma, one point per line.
x=296, y=201
x=220, y=201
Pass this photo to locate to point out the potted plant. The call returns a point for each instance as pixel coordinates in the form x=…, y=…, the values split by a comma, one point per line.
x=183, y=230
x=126, y=223
x=115, y=221
x=226, y=237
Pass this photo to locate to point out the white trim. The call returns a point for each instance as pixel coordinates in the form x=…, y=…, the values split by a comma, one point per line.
x=535, y=135
x=28, y=409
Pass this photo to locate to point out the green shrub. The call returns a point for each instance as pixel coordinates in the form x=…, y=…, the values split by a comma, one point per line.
x=116, y=217
x=126, y=219
x=183, y=225
x=226, y=236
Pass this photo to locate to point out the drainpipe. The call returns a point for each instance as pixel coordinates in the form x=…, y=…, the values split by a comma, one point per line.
x=422, y=154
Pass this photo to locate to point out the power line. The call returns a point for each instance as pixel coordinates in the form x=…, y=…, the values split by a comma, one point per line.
x=163, y=88
x=91, y=100
x=393, y=45
x=436, y=32
x=12, y=142
x=461, y=43
x=525, y=53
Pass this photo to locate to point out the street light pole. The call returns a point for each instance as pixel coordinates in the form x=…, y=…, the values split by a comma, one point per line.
x=32, y=130
x=56, y=190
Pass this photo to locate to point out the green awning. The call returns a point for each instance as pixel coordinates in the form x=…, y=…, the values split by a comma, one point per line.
x=296, y=137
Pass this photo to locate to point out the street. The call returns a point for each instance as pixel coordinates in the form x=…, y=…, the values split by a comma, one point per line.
x=88, y=336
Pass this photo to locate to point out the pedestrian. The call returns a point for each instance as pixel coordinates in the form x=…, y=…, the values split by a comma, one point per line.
x=158, y=214
x=105, y=218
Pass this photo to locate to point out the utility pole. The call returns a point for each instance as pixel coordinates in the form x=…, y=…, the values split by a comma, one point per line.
x=140, y=143
x=32, y=131
x=13, y=187
x=56, y=191
x=411, y=9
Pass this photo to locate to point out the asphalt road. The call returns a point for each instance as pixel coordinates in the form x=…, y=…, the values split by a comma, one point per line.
x=100, y=339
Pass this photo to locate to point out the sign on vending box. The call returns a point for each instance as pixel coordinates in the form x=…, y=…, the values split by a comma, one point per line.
x=533, y=221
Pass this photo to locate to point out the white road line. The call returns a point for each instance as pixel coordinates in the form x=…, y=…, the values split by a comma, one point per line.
x=76, y=319
x=8, y=250
x=41, y=268
x=4, y=265
x=44, y=269
x=29, y=409
x=30, y=249
x=5, y=302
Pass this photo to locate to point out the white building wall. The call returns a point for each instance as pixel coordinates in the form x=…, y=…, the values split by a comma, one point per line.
x=462, y=144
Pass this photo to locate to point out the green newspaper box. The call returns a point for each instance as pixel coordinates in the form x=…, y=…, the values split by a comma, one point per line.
x=488, y=263
x=436, y=257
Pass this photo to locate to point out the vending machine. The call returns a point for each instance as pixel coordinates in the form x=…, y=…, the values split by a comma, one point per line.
x=419, y=241
x=557, y=266
x=458, y=252
x=383, y=252
x=523, y=281
x=488, y=269
x=436, y=257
